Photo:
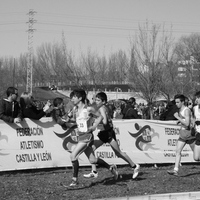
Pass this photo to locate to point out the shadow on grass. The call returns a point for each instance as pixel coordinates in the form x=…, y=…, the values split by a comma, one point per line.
x=122, y=180
x=190, y=174
x=84, y=186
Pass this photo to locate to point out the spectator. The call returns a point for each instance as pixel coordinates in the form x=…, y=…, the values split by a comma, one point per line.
x=9, y=109
x=60, y=116
x=190, y=105
x=29, y=110
x=117, y=113
x=171, y=108
x=139, y=111
x=129, y=112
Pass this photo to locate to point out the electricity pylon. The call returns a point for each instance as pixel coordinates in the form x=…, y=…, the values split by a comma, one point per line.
x=30, y=22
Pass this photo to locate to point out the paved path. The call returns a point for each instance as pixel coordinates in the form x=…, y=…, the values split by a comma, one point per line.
x=169, y=196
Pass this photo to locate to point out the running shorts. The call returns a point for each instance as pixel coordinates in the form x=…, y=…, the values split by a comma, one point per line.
x=106, y=136
x=197, y=139
x=186, y=136
x=86, y=138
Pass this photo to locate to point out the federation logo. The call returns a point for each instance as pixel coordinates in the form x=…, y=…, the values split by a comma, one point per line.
x=144, y=136
x=69, y=138
x=3, y=137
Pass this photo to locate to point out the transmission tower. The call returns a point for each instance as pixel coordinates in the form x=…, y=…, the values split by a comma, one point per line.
x=30, y=22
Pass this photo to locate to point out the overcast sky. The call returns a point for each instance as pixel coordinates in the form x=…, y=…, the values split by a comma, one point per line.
x=104, y=26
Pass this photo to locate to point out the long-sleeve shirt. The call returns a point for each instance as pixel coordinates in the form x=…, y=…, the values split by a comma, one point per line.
x=33, y=113
x=59, y=117
x=9, y=110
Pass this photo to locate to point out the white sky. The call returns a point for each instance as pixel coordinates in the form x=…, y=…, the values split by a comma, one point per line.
x=104, y=26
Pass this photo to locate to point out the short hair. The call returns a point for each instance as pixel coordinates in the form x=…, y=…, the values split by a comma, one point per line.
x=102, y=96
x=131, y=100
x=57, y=101
x=25, y=99
x=71, y=95
x=80, y=93
x=11, y=90
x=181, y=97
x=197, y=94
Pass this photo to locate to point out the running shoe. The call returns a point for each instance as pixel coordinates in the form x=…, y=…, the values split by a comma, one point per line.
x=173, y=172
x=91, y=175
x=136, y=171
x=73, y=183
x=113, y=169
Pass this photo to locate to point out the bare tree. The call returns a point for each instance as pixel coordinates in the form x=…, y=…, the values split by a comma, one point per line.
x=147, y=58
x=9, y=74
x=118, y=67
x=103, y=70
x=21, y=66
x=44, y=68
x=188, y=57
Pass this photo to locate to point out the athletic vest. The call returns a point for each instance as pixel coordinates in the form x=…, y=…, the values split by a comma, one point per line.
x=109, y=125
x=83, y=120
x=197, y=113
x=182, y=113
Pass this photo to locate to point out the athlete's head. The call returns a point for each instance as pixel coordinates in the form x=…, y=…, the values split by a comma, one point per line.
x=78, y=95
x=102, y=96
x=180, y=100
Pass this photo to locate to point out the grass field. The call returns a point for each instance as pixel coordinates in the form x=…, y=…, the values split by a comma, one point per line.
x=52, y=184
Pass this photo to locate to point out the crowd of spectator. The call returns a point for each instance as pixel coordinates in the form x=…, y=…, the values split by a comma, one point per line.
x=120, y=109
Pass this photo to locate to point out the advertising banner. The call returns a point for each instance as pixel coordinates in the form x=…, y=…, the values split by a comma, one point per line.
x=43, y=143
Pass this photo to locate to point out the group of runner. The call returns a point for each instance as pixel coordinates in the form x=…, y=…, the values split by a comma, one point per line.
x=89, y=117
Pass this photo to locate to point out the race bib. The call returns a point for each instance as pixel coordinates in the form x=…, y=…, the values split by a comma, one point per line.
x=82, y=125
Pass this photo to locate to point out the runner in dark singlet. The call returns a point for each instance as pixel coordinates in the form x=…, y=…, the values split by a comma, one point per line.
x=107, y=135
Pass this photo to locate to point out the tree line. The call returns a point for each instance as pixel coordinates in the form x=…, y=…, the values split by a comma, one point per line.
x=155, y=65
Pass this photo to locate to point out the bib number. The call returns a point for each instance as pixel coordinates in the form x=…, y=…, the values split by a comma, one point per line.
x=82, y=125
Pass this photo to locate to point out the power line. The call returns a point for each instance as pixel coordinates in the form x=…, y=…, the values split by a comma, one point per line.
x=82, y=33
x=114, y=19
x=94, y=26
x=110, y=28
x=10, y=23
x=67, y=16
x=12, y=13
x=89, y=26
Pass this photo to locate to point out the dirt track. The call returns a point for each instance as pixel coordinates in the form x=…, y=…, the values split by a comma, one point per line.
x=50, y=183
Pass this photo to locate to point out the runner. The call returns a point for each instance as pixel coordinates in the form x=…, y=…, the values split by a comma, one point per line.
x=185, y=135
x=84, y=117
x=107, y=135
x=196, y=111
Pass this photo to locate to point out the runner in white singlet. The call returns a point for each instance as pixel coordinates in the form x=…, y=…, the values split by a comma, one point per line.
x=196, y=111
x=184, y=119
x=83, y=115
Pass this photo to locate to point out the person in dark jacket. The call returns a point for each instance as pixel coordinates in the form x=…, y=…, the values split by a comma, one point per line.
x=130, y=112
x=59, y=115
x=29, y=110
x=171, y=108
x=9, y=109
